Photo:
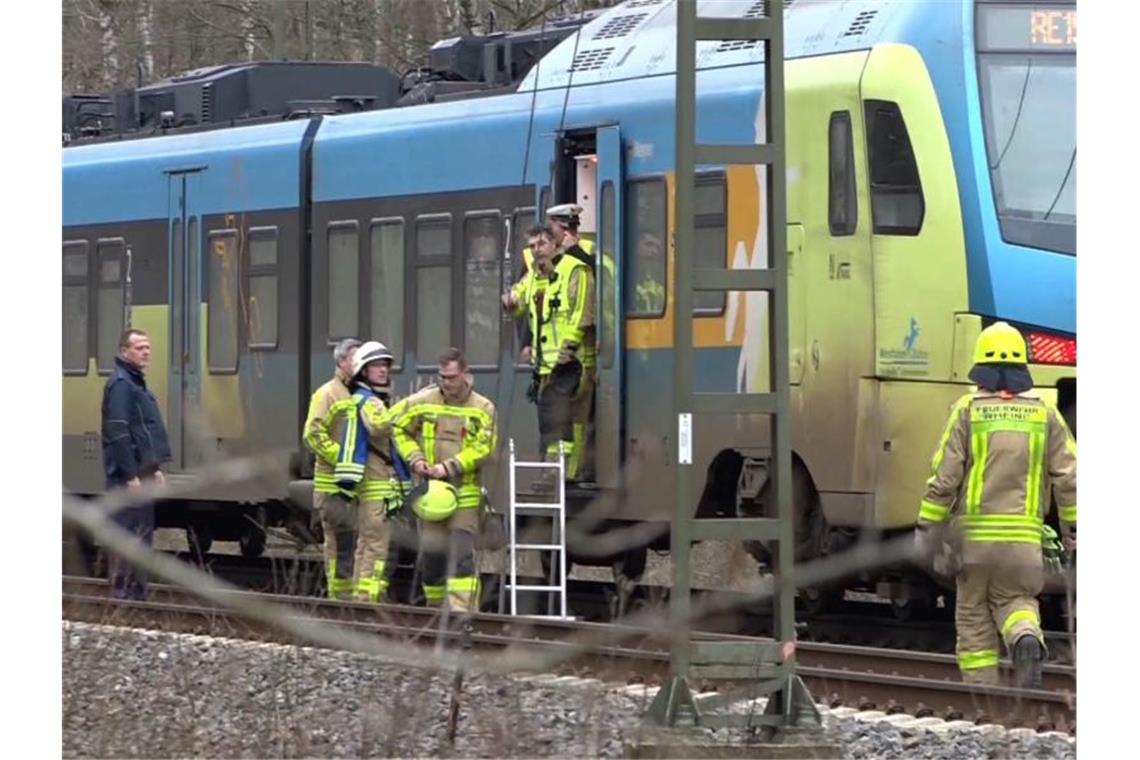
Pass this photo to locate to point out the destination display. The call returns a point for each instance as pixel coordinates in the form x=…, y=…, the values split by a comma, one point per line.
x=1018, y=28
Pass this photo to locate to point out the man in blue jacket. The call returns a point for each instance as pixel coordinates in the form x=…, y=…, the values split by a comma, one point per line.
x=135, y=446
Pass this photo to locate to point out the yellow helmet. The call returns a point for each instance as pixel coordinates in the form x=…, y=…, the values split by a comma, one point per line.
x=1000, y=343
x=438, y=503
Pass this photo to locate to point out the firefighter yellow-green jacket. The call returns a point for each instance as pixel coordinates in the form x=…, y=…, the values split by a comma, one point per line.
x=564, y=315
x=458, y=434
x=323, y=431
x=992, y=473
x=379, y=481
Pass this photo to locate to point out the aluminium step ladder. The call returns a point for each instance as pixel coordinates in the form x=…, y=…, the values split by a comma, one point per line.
x=555, y=511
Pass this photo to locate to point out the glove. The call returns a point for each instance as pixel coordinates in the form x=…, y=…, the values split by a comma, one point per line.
x=1052, y=552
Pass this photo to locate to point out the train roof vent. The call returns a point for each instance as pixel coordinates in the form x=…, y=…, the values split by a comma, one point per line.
x=758, y=9
x=642, y=3
x=860, y=24
x=588, y=60
x=620, y=26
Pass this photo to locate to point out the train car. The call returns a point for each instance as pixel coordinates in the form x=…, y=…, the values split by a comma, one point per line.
x=931, y=186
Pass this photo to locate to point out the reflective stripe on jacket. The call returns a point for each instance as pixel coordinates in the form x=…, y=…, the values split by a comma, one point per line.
x=323, y=431
x=460, y=435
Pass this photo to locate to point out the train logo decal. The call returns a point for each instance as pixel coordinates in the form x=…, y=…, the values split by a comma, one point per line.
x=909, y=359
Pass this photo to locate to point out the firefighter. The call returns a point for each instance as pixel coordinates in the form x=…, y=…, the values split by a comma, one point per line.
x=366, y=467
x=526, y=291
x=335, y=507
x=988, y=495
x=564, y=222
x=559, y=313
x=445, y=432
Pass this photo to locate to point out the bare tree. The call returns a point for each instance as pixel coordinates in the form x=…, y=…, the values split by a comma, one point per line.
x=105, y=42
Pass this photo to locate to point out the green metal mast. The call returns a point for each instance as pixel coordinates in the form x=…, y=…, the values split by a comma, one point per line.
x=770, y=665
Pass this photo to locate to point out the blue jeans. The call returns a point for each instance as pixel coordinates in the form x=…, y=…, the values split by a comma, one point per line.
x=128, y=581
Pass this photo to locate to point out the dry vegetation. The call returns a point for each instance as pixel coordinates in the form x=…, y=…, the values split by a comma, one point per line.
x=114, y=44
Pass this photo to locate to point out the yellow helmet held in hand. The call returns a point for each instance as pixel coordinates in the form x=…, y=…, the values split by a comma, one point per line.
x=438, y=502
x=1000, y=343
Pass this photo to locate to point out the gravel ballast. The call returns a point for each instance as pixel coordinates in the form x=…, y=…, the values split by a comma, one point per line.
x=130, y=693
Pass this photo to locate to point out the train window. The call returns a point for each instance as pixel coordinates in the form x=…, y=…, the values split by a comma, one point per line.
x=645, y=232
x=433, y=312
x=897, y=205
x=433, y=236
x=482, y=267
x=263, y=301
x=710, y=235
x=842, y=209
x=344, y=280
x=222, y=307
x=387, y=291
x=108, y=301
x=607, y=328
x=75, y=299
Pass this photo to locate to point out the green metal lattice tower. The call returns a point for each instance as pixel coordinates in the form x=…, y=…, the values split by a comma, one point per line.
x=770, y=665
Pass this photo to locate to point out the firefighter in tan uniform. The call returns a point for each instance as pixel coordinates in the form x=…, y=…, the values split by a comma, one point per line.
x=1002, y=451
x=335, y=507
x=446, y=432
x=366, y=466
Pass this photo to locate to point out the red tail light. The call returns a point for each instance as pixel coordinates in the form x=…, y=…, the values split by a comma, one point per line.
x=1052, y=349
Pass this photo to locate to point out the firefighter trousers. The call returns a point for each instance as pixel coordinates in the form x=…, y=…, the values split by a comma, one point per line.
x=447, y=561
x=580, y=465
x=338, y=521
x=993, y=601
x=374, y=533
x=557, y=392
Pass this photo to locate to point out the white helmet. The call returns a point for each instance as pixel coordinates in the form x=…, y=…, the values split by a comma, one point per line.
x=370, y=352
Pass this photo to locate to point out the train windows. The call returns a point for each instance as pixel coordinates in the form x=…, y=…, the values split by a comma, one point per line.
x=263, y=302
x=222, y=307
x=711, y=238
x=433, y=287
x=387, y=279
x=605, y=278
x=897, y=206
x=344, y=280
x=645, y=238
x=482, y=282
x=111, y=258
x=842, y=211
x=75, y=297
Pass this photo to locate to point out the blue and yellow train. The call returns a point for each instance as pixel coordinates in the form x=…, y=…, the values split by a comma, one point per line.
x=931, y=161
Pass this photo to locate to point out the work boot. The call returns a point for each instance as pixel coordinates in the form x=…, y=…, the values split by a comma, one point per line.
x=1027, y=656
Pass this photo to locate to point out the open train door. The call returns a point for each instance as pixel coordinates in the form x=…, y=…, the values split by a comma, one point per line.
x=608, y=417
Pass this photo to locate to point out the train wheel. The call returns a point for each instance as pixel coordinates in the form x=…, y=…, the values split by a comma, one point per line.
x=252, y=538
x=810, y=527
x=252, y=541
x=199, y=539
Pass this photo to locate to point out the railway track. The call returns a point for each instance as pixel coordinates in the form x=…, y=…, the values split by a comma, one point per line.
x=866, y=678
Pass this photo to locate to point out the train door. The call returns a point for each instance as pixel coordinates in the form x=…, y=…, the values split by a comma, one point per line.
x=608, y=417
x=184, y=236
x=917, y=248
x=831, y=305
